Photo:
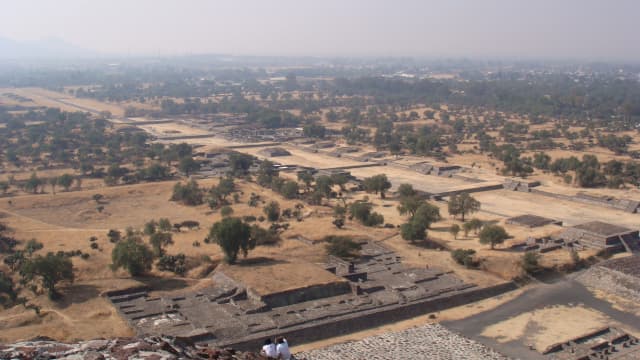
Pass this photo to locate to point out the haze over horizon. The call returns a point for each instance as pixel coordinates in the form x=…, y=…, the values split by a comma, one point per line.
x=570, y=29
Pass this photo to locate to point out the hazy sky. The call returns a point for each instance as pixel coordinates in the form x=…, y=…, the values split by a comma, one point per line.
x=600, y=29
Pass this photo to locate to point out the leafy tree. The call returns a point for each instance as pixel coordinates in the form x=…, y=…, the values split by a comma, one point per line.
x=406, y=190
x=240, y=163
x=412, y=231
x=8, y=293
x=493, y=234
x=378, y=184
x=150, y=227
x=306, y=178
x=463, y=204
x=272, y=211
x=164, y=224
x=33, y=183
x=188, y=165
x=132, y=255
x=97, y=197
x=342, y=246
x=409, y=205
x=323, y=185
x=530, y=263
x=426, y=215
x=65, y=180
x=49, y=269
x=226, y=211
x=454, y=230
x=362, y=212
x=233, y=236
x=464, y=257
x=4, y=187
x=32, y=246
x=159, y=240
x=188, y=194
x=289, y=189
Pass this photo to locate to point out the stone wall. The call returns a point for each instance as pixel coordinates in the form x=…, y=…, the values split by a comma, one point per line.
x=318, y=330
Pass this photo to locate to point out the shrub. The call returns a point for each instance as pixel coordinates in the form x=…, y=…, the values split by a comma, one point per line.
x=464, y=257
x=94, y=246
x=342, y=246
x=226, y=211
x=530, y=262
x=272, y=211
x=133, y=256
x=174, y=263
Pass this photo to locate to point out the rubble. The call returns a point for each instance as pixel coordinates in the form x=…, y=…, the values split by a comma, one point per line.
x=156, y=348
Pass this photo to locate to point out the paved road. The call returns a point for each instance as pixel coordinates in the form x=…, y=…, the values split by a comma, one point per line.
x=564, y=292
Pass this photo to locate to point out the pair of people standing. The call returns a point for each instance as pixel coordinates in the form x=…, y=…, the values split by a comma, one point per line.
x=277, y=350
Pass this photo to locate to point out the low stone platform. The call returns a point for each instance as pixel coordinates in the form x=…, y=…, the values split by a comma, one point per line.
x=606, y=343
x=432, y=341
x=230, y=313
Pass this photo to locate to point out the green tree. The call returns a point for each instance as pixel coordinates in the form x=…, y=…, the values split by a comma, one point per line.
x=188, y=194
x=49, y=269
x=4, y=187
x=33, y=183
x=290, y=189
x=426, y=215
x=65, y=180
x=164, y=224
x=272, y=211
x=233, y=236
x=342, y=247
x=454, y=230
x=133, y=256
x=462, y=204
x=240, y=163
x=150, y=227
x=188, y=165
x=530, y=263
x=493, y=234
x=226, y=211
x=306, y=178
x=159, y=241
x=377, y=184
x=406, y=190
x=362, y=211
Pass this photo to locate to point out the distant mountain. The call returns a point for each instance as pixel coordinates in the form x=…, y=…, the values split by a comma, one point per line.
x=47, y=48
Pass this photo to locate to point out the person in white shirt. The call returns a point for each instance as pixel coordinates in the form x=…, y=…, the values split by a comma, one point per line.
x=283, y=349
x=269, y=349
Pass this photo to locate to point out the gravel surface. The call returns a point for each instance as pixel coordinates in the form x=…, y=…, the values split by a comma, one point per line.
x=432, y=341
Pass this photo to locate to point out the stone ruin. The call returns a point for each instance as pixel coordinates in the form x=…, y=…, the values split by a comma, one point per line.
x=435, y=169
x=520, y=185
x=532, y=221
x=606, y=343
x=274, y=152
x=303, y=302
x=602, y=236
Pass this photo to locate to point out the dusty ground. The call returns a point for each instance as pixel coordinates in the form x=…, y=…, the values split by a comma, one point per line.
x=552, y=325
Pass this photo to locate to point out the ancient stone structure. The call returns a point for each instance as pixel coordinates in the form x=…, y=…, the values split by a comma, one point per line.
x=606, y=343
x=339, y=297
x=435, y=169
x=520, y=185
x=603, y=236
x=274, y=152
x=532, y=221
